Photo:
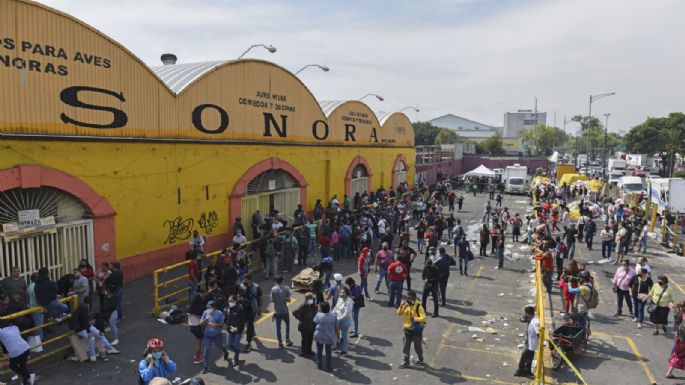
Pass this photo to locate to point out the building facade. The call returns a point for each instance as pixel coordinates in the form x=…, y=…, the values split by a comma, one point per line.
x=466, y=128
x=515, y=122
x=106, y=159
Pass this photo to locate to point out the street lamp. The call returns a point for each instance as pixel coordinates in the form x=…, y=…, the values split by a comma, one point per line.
x=606, y=130
x=412, y=108
x=323, y=68
x=589, y=114
x=380, y=98
x=269, y=48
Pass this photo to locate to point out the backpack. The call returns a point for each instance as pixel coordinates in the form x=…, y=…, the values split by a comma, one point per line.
x=593, y=301
x=176, y=317
x=270, y=248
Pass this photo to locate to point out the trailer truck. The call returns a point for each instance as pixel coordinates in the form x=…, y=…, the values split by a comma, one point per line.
x=514, y=179
x=667, y=193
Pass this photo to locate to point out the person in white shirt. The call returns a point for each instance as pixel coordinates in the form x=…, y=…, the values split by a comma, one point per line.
x=239, y=238
x=532, y=339
x=642, y=264
x=276, y=226
x=381, y=226
x=343, y=312
x=17, y=350
x=197, y=239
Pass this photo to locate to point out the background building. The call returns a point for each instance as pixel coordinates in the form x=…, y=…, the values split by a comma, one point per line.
x=466, y=128
x=515, y=122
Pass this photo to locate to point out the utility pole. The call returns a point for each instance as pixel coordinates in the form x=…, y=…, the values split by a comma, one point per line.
x=606, y=130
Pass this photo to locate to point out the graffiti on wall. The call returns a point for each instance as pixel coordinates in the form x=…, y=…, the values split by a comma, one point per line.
x=180, y=229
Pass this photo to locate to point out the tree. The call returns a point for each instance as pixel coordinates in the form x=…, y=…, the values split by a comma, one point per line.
x=665, y=136
x=491, y=146
x=425, y=133
x=541, y=139
x=446, y=136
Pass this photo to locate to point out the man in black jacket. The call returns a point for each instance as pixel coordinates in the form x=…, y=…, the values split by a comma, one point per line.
x=443, y=264
x=430, y=277
x=46, y=295
x=235, y=324
x=305, y=314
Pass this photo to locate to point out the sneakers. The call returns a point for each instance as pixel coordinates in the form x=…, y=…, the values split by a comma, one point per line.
x=634, y=319
x=198, y=359
x=112, y=350
x=419, y=363
x=248, y=348
x=225, y=355
x=115, y=342
x=205, y=370
x=92, y=359
x=288, y=343
x=639, y=325
x=405, y=365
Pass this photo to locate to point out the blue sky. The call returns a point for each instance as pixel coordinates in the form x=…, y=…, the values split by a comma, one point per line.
x=473, y=58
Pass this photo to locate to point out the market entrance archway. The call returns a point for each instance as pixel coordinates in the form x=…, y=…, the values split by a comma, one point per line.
x=399, y=171
x=358, y=178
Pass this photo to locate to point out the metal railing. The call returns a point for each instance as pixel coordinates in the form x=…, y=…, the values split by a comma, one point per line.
x=540, y=313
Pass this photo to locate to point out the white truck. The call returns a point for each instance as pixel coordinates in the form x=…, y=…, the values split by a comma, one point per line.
x=637, y=160
x=668, y=193
x=514, y=179
x=616, y=165
x=627, y=185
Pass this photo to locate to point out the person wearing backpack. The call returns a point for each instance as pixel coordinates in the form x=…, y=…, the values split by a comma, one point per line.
x=270, y=252
x=587, y=298
x=250, y=295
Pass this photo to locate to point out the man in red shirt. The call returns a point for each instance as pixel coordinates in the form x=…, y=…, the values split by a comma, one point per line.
x=194, y=275
x=397, y=273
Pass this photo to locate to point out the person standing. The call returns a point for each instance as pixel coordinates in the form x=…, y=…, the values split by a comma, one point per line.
x=325, y=335
x=80, y=287
x=397, y=273
x=484, y=239
x=17, y=350
x=14, y=287
x=384, y=258
x=358, y=299
x=532, y=339
x=662, y=297
x=406, y=255
x=460, y=200
x=250, y=295
x=640, y=285
x=414, y=321
x=621, y=286
x=305, y=314
x=500, y=250
x=462, y=249
x=570, y=235
x=677, y=358
x=547, y=259
x=235, y=324
x=280, y=295
x=289, y=250
x=606, y=236
x=430, y=276
x=443, y=263
x=212, y=320
x=494, y=234
x=156, y=362
x=343, y=313
x=194, y=276
x=197, y=307
x=363, y=268
x=590, y=231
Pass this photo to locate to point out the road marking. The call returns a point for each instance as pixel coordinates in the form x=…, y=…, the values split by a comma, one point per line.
x=636, y=353
x=675, y=284
x=269, y=314
x=436, y=372
x=481, y=350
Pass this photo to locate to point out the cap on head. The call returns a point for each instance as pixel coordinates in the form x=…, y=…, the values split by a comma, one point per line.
x=211, y=304
x=338, y=277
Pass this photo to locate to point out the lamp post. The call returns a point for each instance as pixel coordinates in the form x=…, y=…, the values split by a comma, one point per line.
x=606, y=130
x=413, y=108
x=323, y=68
x=589, y=115
x=269, y=48
x=380, y=98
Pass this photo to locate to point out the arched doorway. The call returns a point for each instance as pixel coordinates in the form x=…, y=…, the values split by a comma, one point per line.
x=51, y=219
x=399, y=171
x=269, y=185
x=358, y=177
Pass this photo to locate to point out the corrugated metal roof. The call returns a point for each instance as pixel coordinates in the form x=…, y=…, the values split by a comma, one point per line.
x=383, y=116
x=179, y=76
x=328, y=106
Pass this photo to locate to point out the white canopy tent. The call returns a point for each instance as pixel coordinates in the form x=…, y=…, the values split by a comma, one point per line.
x=481, y=171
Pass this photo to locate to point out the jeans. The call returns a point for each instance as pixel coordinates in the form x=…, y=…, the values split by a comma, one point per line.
x=37, y=321
x=559, y=264
x=328, y=274
x=207, y=345
x=271, y=265
x=432, y=289
x=639, y=307
x=410, y=338
x=312, y=246
x=442, y=282
x=329, y=355
x=192, y=292
x=483, y=252
x=620, y=295
x=56, y=308
x=500, y=258
x=233, y=343
x=643, y=245
x=395, y=293
x=365, y=284
x=382, y=274
x=282, y=318
x=465, y=262
x=19, y=366
x=355, y=319
x=588, y=240
x=120, y=301
x=113, y=325
x=571, y=250
x=421, y=243
x=344, y=325
x=92, y=334
x=606, y=249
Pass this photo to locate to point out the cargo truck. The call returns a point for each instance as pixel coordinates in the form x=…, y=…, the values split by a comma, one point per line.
x=668, y=193
x=514, y=179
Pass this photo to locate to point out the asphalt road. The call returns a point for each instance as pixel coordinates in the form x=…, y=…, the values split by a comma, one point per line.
x=489, y=300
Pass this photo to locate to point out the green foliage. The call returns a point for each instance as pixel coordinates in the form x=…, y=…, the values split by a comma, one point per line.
x=446, y=136
x=541, y=139
x=425, y=133
x=491, y=146
x=587, y=122
x=664, y=135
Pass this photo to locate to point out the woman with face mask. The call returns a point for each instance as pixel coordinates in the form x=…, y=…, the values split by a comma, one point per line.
x=235, y=324
x=156, y=362
x=305, y=314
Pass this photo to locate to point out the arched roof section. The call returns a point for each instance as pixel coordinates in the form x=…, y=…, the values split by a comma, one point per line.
x=399, y=126
x=352, y=122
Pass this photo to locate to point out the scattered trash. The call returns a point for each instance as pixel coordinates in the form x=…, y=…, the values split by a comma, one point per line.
x=603, y=261
x=509, y=246
x=520, y=346
x=491, y=331
x=520, y=334
x=394, y=378
x=506, y=325
x=474, y=329
x=176, y=380
x=162, y=320
x=501, y=294
x=474, y=336
x=505, y=364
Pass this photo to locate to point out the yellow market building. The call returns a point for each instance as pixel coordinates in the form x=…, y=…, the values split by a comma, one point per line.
x=107, y=159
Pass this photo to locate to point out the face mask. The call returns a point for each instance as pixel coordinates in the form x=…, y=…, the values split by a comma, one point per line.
x=310, y=302
x=156, y=356
x=231, y=304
